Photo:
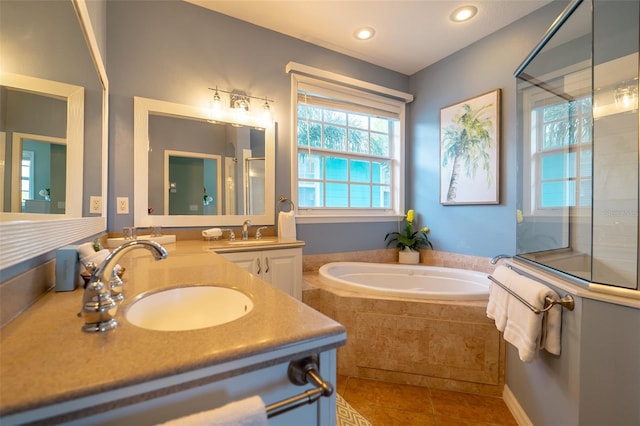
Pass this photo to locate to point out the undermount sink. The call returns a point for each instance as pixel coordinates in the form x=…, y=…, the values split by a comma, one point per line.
x=251, y=242
x=188, y=308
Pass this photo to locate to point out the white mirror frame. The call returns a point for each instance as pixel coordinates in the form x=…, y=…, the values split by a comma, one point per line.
x=27, y=236
x=142, y=107
x=74, y=97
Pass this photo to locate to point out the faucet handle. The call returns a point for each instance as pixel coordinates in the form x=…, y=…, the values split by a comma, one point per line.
x=232, y=235
x=259, y=232
x=98, y=308
x=116, y=286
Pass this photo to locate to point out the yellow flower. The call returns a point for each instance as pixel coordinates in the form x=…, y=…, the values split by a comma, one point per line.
x=519, y=217
x=410, y=215
x=425, y=229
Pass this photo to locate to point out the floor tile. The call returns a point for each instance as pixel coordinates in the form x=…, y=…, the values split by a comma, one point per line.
x=388, y=395
x=391, y=404
x=478, y=408
x=382, y=416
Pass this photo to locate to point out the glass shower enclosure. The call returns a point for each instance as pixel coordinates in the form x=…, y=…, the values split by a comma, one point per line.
x=577, y=211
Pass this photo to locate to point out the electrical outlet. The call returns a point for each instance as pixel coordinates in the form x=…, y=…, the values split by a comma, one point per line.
x=95, y=204
x=122, y=205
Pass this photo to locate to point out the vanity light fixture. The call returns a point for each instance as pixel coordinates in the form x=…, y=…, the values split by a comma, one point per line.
x=239, y=103
x=364, y=33
x=626, y=95
x=463, y=14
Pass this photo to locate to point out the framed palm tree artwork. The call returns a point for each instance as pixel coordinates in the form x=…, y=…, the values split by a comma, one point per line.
x=469, y=151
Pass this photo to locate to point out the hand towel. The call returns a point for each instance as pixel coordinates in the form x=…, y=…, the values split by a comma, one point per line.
x=499, y=297
x=246, y=412
x=212, y=233
x=551, y=326
x=96, y=257
x=524, y=328
x=85, y=249
x=287, y=225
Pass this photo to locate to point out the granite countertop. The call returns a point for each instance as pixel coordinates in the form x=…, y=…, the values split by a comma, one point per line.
x=45, y=358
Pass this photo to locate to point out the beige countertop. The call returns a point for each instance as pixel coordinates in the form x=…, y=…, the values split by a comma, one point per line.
x=46, y=359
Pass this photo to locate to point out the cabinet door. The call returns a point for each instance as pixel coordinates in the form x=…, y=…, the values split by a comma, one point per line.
x=283, y=269
x=247, y=260
x=280, y=268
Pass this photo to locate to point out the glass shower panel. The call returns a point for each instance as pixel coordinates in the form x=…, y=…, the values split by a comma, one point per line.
x=554, y=203
x=255, y=186
x=615, y=161
x=578, y=149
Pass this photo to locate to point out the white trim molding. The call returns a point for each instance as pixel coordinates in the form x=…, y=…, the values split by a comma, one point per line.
x=514, y=406
x=296, y=68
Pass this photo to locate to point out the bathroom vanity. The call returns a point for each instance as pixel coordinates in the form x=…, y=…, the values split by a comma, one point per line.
x=52, y=371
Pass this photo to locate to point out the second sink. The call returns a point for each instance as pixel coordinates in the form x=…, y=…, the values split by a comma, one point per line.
x=188, y=308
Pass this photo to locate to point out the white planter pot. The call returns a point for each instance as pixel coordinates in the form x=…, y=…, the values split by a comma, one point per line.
x=408, y=256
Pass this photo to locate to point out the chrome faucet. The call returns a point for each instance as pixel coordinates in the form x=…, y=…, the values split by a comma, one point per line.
x=98, y=305
x=245, y=229
x=259, y=232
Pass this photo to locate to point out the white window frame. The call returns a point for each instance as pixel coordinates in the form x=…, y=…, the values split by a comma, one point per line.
x=574, y=79
x=359, y=92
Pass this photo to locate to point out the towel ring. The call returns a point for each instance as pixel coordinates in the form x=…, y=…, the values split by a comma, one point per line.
x=284, y=199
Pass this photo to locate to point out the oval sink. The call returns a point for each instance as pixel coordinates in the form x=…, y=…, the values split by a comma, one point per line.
x=188, y=308
x=250, y=242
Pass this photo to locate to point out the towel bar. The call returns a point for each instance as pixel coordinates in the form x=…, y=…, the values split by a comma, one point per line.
x=566, y=302
x=497, y=258
x=284, y=199
x=300, y=373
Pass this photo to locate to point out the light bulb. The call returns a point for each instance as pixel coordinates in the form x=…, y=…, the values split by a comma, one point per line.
x=463, y=13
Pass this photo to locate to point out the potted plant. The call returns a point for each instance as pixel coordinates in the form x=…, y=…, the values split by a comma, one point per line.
x=410, y=241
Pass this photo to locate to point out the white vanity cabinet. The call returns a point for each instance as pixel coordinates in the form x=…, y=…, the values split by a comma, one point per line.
x=281, y=268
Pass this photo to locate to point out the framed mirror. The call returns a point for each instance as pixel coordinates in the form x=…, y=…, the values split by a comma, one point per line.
x=192, y=171
x=41, y=132
x=50, y=64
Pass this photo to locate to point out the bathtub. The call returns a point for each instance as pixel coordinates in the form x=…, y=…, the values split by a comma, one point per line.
x=419, y=325
x=406, y=281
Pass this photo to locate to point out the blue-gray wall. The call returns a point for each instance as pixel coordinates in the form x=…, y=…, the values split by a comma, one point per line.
x=481, y=230
x=175, y=51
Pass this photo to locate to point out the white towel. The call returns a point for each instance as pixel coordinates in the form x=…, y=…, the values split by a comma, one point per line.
x=551, y=325
x=247, y=412
x=287, y=225
x=499, y=297
x=212, y=233
x=97, y=257
x=525, y=329
x=85, y=249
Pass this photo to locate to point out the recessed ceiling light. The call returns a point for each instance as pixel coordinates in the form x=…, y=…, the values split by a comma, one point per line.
x=463, y=13
x=364, y=33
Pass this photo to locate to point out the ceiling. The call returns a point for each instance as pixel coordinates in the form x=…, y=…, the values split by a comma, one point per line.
x=410, y=34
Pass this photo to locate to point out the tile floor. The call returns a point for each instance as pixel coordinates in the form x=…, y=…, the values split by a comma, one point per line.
x=390, y=404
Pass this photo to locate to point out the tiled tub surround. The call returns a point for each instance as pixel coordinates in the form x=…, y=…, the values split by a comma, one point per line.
x=439, y=344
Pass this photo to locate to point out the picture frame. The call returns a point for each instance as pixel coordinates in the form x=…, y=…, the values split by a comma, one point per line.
x=470, y=150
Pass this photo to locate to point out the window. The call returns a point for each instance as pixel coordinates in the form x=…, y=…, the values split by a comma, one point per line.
x=561, y=136
x=26, y=178
x=348, y=151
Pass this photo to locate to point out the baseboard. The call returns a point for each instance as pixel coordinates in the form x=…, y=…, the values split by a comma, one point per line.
x=514, y=406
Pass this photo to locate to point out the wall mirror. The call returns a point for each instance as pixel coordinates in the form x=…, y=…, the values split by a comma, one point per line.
x=192, y=171
x=53, y=98
x=41, y=132
x=578, y=157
